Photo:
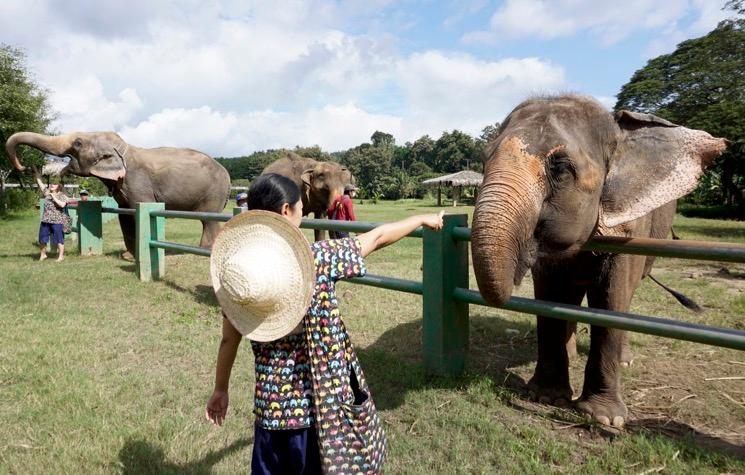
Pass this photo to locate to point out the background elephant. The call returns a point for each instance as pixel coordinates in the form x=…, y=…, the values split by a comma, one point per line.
x=560, y=171
x=319, y=182
x=181, y=178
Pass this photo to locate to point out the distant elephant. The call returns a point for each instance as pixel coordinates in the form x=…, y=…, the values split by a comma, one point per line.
x=181, y=178
x=319, y=182
x=563, y=170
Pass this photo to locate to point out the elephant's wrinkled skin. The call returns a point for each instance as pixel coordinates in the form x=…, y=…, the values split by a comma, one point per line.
x=560, y=171
x=183, y=179
x=319, y=182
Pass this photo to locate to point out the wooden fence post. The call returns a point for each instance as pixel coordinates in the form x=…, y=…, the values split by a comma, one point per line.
x=90, y=228
x=445, y=321
x=151, y=261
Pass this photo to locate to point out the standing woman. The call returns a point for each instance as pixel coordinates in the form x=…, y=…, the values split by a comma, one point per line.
x=314, y=412
x=52, y=219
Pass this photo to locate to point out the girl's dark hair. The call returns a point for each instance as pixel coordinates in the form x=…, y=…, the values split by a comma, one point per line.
x=269, y=192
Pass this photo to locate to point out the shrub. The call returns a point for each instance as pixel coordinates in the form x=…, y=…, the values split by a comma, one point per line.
x=17, y=199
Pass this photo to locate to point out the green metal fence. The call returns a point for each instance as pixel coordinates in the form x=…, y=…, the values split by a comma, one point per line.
x=444, y=287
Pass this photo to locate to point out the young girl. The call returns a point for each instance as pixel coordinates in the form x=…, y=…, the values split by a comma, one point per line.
x=285, y=444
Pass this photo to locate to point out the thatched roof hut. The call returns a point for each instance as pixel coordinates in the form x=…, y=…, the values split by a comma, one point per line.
x=457, y=181
x=53, y=168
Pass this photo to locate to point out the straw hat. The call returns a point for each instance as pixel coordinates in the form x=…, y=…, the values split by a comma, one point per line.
x=263, y=274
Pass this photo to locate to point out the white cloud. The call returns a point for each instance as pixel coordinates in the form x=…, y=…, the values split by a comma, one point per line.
x=609, y=20
x=84, y=106
x=232, y=77
x=607, y=101
x=446, y=91
x=231, y=134
x=708, y=15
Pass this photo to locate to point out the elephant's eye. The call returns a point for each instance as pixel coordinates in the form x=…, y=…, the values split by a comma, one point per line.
x=560, y=166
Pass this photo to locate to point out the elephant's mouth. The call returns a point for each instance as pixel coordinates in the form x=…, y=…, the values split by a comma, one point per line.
x=526, y=260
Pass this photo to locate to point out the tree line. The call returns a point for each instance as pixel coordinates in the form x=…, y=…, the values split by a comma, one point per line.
x=382, y=168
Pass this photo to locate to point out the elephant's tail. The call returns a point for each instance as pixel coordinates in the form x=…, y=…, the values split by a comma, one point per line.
x=687, y=302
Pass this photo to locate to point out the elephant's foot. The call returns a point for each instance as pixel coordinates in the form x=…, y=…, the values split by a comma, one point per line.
x=128, y=256
x=550, y=391
x=627, y=356
x=607, y=409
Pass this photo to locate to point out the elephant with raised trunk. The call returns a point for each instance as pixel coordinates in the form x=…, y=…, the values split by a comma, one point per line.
x=183, y=179
x=561, y=171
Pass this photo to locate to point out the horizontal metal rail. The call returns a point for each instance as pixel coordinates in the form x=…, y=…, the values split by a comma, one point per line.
x=686, y=249
x=725, y=252
x=200, y=215
x=173, y=246
x=390, y=283
x=725, y=337
x=127, y=211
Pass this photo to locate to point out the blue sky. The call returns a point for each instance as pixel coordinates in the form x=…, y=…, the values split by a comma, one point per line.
x=231, y=77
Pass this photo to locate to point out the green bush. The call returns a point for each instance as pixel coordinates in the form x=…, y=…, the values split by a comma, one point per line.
x=16, y=199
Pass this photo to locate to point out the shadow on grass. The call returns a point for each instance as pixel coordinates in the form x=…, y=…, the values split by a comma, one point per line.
x=203, y=294
x=686, y=435
x=393, y=362
x=141, y=457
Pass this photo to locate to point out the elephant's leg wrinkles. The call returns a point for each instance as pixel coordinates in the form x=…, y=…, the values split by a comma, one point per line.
x=550, y=382
x=601, y=396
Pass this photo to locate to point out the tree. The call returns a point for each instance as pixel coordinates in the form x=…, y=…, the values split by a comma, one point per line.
x=454, y=151
x=702, y=85
x=24, y=106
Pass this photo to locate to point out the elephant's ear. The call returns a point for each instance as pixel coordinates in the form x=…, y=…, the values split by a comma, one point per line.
x=110, y=161
x=307, y=176
x=655, y=162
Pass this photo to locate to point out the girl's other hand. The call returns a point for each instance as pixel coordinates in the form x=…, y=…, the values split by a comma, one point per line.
x=217, y=408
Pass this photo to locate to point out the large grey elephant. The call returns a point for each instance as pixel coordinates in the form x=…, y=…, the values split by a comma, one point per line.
x=181, y=178
x=319, y=182
x=560, y=171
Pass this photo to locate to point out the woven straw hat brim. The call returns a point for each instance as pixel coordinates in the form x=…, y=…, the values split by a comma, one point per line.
x=256, y=229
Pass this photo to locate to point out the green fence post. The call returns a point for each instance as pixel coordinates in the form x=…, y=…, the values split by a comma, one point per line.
x=151, y=261
x=90, y=228
x=238, y=210
x=445, y=321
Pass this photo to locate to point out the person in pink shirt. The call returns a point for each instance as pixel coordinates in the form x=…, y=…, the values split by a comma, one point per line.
x=342, y=209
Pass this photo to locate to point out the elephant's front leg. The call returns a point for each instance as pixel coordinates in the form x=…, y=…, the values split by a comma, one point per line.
x=210, y=230
x=319, y=234
x=127, y=223
x=601, y=395
x=550, y=382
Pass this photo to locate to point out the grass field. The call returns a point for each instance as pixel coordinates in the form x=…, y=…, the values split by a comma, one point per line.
x=101, y=373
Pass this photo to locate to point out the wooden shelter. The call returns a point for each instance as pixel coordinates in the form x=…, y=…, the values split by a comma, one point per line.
x=457, y=181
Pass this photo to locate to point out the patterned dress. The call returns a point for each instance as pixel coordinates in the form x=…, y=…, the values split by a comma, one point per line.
x=53, y=214
x=283, y=397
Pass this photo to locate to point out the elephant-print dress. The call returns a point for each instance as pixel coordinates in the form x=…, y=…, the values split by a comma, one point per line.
x=292, y=388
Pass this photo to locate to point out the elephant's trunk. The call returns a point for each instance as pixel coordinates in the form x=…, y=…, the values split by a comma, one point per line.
x=53, y=145
x=504, y=220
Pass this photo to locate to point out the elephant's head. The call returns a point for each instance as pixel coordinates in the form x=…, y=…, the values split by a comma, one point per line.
x=99, y=154
x=563, y=169
x=326, y=181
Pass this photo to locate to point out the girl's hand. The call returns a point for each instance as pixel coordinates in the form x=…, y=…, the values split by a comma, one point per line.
x=433, y=221
x=217, y=407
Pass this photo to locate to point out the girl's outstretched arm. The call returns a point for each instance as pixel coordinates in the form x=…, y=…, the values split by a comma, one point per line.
x=389, y=233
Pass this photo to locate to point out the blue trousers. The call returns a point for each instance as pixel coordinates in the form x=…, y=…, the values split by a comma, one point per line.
x=53, y=229
x=285, y=452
